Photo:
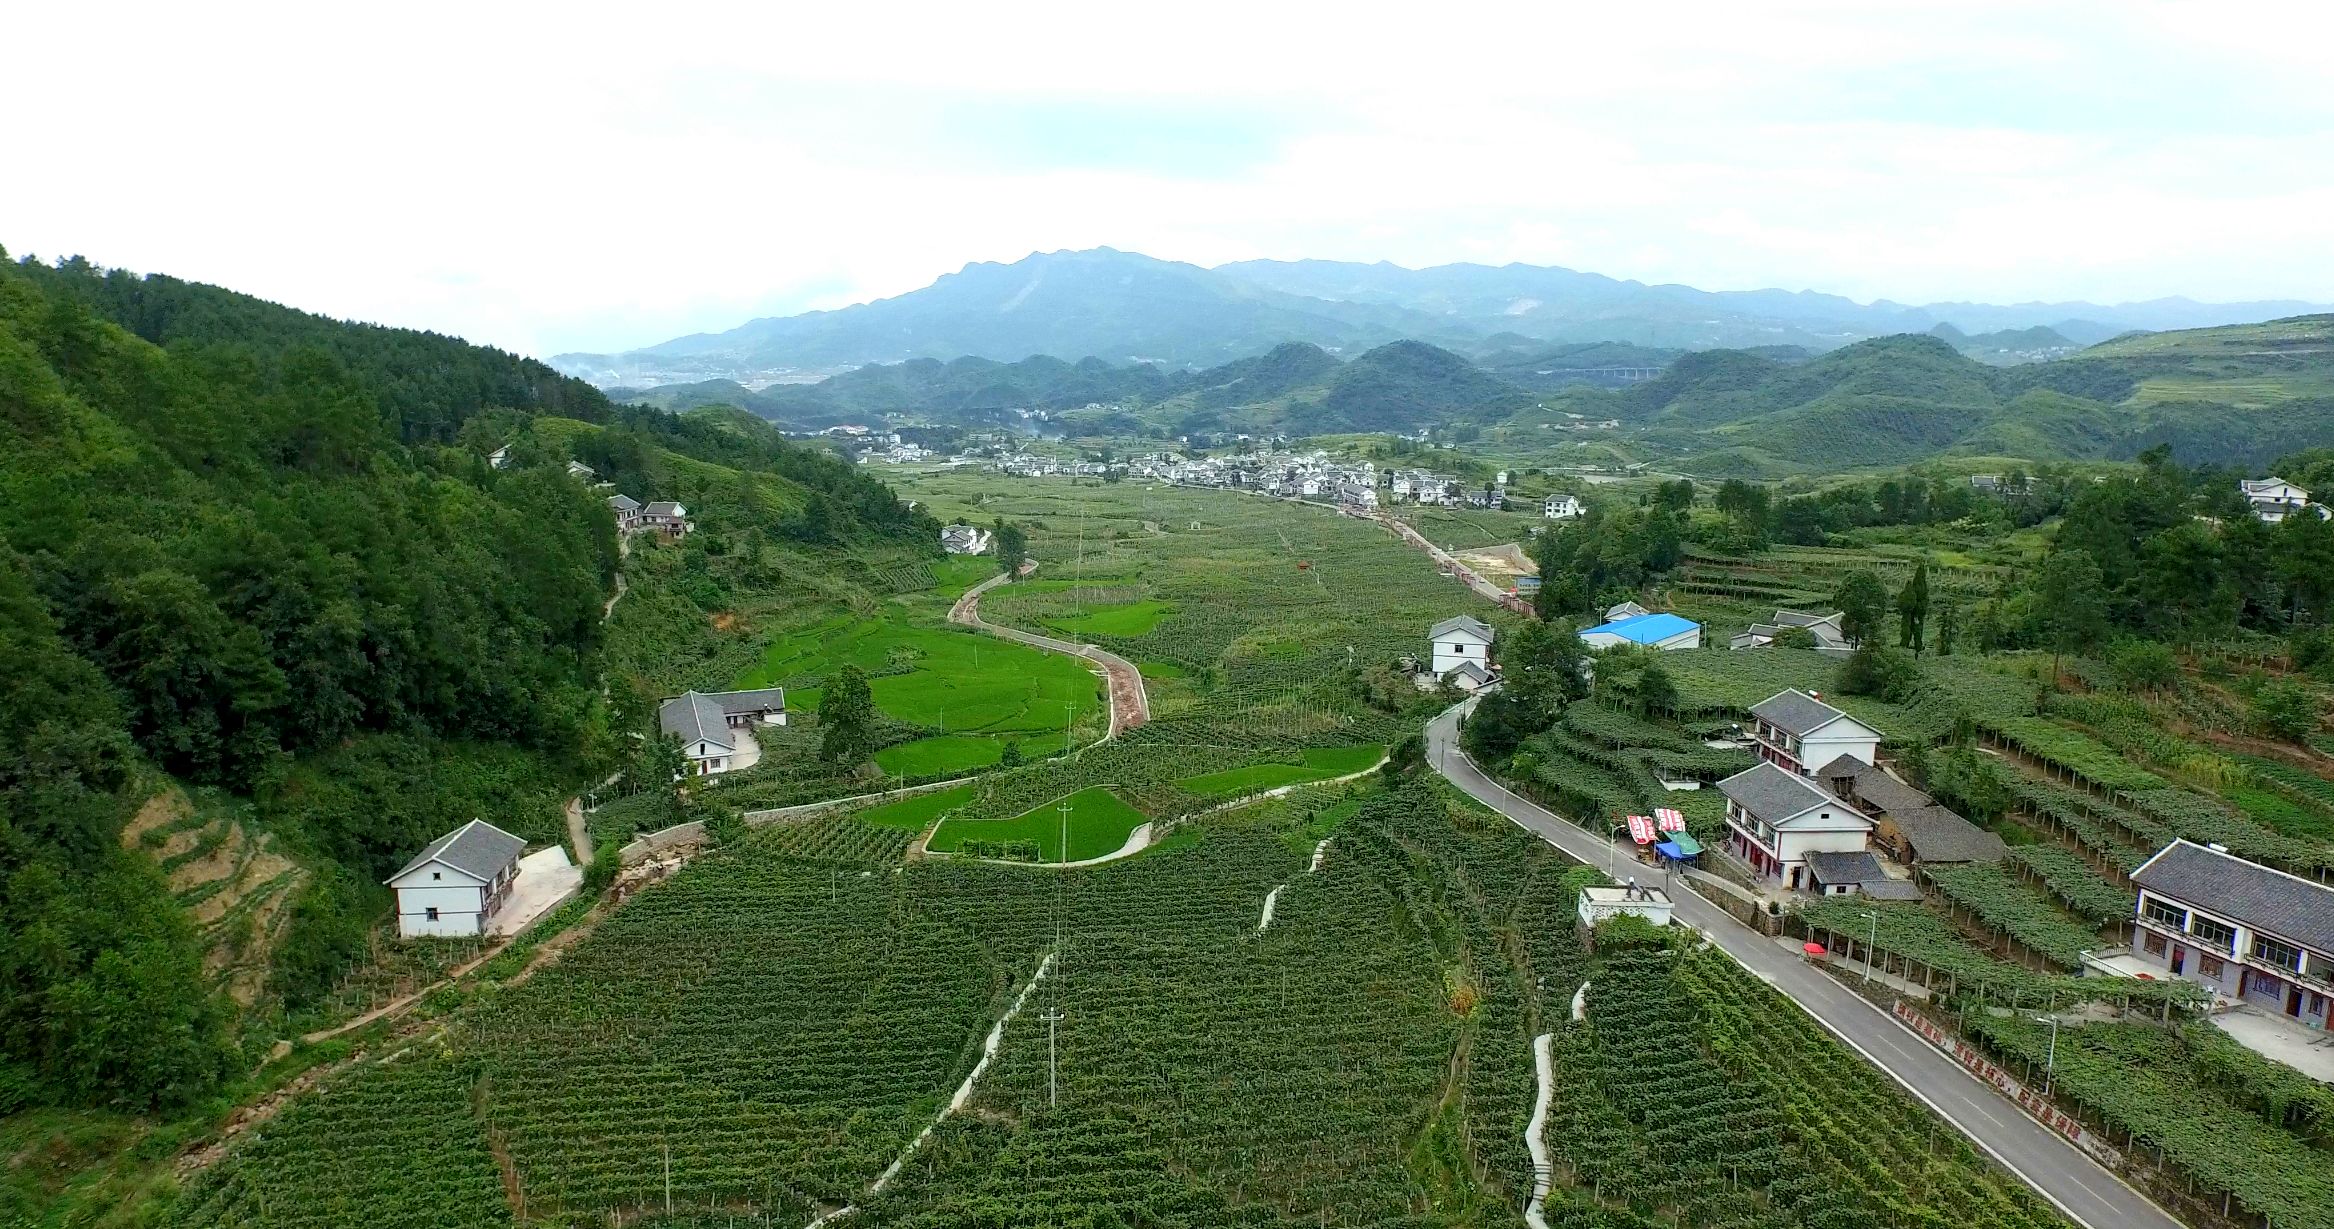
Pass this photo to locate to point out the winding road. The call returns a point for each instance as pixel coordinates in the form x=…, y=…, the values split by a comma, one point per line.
x=1130, y=705
x=2077, y=1185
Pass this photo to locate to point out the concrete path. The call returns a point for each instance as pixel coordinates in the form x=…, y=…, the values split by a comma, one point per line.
x=1130, y=704
x=1465, y=575
x=1536, y=1131
x=2078, y=1186
x=546, y=878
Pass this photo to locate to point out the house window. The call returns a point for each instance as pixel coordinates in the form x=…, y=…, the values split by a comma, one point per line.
x=436, y=875
x=2155, y=944
x=431, y=913
x=2170, y=916
x=2272, y=951
x=2211, y=966
x=2219, y=934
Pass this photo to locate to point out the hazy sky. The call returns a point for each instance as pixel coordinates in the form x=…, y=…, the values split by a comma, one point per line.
x=597, y=177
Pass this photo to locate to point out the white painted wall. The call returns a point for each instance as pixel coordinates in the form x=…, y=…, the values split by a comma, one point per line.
x=1834, y=741
x=1460, y=646
x=458, y=906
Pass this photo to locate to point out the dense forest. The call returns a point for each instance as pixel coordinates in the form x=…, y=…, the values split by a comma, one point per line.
x=262, y=552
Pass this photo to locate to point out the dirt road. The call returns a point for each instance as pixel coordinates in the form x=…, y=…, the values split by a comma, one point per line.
x=1130, y=705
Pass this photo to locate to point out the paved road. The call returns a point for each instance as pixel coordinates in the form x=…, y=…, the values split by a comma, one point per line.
x=1130, y=704
x=2066, y=1176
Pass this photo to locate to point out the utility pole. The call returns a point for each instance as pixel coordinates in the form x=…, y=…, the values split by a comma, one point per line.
x=2050, y=1058
x=1871, y=940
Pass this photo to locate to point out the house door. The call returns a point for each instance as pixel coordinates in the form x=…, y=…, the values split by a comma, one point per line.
x=2179, y=960
x=2293, y=1002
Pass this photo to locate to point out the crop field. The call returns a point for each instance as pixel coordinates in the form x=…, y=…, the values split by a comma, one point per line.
x=1248, y=615
x=2210, y=1108
x=941, y=753
x=1313, y=764
x=1098, y=822
x=780, y=1019
x=929, y=676
x=915, y=813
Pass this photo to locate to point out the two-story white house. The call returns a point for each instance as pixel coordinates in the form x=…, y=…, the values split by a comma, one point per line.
x=2251, y=932
x=1798, y=731
x=2273, y=499
x=627, y=512
x=457, y=883
x=666, y=517
x=1561, y=507
x=1776, y=818
x=1461, y=643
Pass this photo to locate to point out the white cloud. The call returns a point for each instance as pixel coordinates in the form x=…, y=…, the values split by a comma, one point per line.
x=595, y=177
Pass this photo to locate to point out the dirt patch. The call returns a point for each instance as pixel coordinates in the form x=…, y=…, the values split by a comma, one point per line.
x=728, y=621
x=163, y=808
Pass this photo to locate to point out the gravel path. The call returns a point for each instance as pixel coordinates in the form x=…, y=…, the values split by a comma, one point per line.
x=1130, y=704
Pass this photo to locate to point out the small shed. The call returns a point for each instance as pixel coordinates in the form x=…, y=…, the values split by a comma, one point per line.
x=1598, y=904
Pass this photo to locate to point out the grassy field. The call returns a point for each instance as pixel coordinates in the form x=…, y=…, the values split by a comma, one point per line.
x=1318, y=763
x=1099, y=822
x=1250, y=617
x=915, y=813
x=940, y=754
x=931, y=676
x=1125, y=619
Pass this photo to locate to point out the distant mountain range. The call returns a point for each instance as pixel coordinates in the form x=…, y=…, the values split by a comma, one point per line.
x=2240, y=394
x=1124, y=307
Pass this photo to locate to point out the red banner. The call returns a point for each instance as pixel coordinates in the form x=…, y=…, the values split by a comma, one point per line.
x=1672, y=820
x=1641, y=830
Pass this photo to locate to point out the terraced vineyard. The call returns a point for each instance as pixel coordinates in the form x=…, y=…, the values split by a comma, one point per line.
x=781, y=1019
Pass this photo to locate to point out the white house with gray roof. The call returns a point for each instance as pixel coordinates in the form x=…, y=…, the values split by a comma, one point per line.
x=714, y=728
x=1798, y=731
x=1461, y=640
x=1776, y=819
x=457, y=883
x=2250, y=932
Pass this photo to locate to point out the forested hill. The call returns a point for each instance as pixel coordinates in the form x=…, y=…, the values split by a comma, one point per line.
x=426, y=385
x=1295, y=387
x=268, y=558
x=2241, y=394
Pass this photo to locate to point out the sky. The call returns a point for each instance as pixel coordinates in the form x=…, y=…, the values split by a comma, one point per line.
x=588, y=177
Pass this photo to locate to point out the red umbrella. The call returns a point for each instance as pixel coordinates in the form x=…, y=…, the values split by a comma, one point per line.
x=1813, y=949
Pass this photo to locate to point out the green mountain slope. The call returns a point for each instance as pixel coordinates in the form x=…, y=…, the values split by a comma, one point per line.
x=2240, y=395
x=262, y=552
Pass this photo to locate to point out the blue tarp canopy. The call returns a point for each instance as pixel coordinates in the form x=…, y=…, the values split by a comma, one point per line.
x=1680, y=845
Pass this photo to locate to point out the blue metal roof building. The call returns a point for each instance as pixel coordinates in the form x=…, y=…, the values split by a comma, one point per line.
x=1657, y=631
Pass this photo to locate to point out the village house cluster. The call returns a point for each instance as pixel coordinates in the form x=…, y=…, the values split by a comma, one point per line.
x=1818, y=811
